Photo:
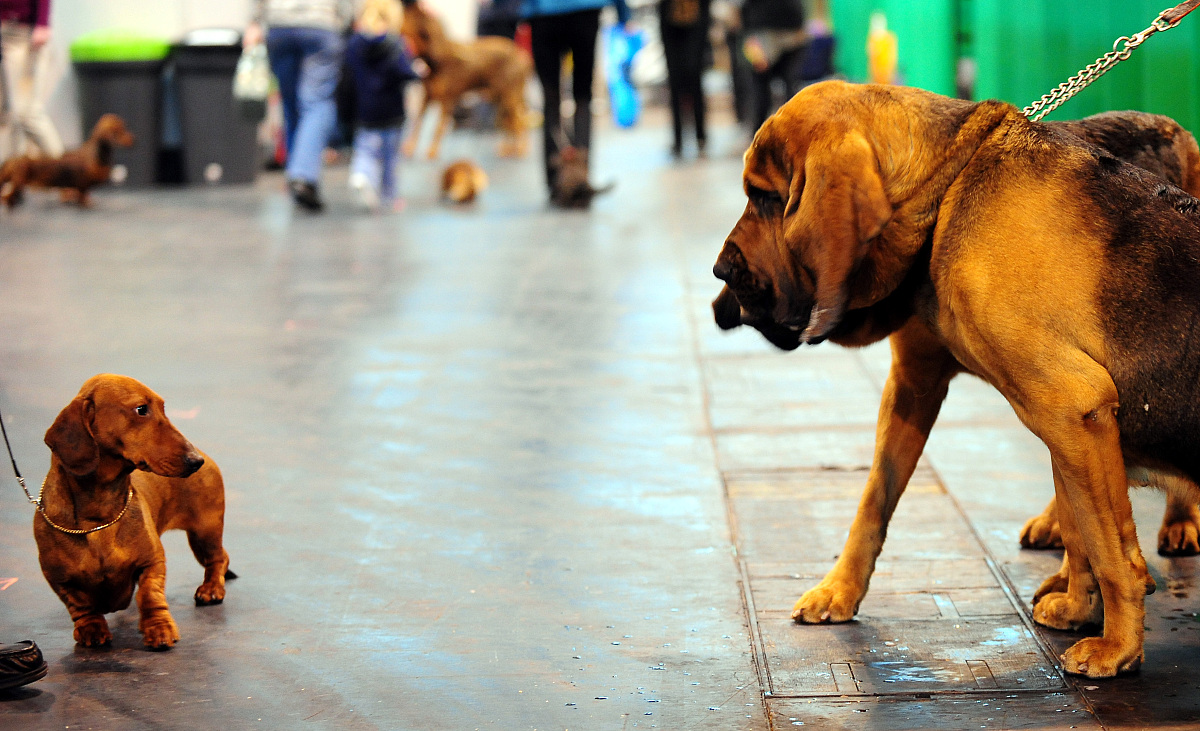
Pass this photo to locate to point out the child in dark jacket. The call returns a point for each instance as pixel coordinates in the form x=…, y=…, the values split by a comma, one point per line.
x=380, y=68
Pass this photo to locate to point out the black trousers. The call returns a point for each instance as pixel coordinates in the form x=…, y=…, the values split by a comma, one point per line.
x=684, y=46
x=786, y=68
x=553, y=37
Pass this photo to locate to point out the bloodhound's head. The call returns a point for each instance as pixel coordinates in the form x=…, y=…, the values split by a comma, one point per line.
x=815, y=201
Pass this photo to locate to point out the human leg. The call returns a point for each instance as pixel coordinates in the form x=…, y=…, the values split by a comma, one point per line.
x=366, y=168
x=581, y=37
x=673, y=51
x=285, y=59
x=547, y=62
x=389, y=146
x=319, y=71
x=31, y=87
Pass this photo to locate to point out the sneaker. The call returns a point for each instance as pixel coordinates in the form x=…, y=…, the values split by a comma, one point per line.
x=21, y=664
x=364, y=192
x=305, y=194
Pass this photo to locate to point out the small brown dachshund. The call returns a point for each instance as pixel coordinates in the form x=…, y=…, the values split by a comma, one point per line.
x=119, y=469
x=76, y=172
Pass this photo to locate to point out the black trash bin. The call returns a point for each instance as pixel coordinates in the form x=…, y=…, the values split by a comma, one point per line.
x=220, y=145
x=121, y=73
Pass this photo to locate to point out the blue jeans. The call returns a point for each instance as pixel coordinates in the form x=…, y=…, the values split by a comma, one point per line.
x=307, y=63
x=375, y=157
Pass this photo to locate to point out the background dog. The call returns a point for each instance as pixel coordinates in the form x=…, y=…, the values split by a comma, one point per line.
x=492, y=65
x=76, y=172
x=462, y=181
x=982, y=242
x=113, y=446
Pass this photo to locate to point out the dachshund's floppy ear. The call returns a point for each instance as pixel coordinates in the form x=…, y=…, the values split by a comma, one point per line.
x=845, y=203
x=70, y=437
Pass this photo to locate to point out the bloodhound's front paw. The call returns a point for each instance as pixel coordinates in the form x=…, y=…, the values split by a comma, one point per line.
x=1059, y=610
x=92, y=632
x=829, y=601
x=160, y=633
x=1041, y=531
x=1056, y=583
x=1100, y=657
x=1180, y=534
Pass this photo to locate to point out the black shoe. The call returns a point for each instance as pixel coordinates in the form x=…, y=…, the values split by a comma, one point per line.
x=305, y=194
x=21, y=664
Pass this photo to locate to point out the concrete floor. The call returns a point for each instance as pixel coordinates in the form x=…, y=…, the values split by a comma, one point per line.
x=495, y=467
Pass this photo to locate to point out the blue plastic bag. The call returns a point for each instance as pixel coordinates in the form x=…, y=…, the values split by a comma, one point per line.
x=621, y=48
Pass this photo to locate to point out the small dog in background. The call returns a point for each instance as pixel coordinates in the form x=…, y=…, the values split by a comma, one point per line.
x=121, y=474
x=571, y=186
x=462, y=181
x=76, y=172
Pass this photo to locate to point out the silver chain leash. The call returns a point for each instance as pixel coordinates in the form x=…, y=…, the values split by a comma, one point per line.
x=1166, y=20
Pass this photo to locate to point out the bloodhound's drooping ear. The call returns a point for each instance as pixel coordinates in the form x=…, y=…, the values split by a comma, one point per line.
x=843, y=203
x=70, y=437
x=727, y=310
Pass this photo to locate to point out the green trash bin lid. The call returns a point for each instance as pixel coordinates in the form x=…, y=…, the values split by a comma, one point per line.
x=118, y=45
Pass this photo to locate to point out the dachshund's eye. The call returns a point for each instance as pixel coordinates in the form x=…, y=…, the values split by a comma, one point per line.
x=142, y=410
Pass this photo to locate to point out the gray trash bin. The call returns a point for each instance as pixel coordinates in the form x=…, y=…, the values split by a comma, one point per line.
x=219, y=144
x=121, y=73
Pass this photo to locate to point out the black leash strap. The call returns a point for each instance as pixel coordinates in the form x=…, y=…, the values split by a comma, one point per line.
x=13, y=459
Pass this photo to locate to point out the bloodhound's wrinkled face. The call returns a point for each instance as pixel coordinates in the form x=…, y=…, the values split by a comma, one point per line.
x=815, y=200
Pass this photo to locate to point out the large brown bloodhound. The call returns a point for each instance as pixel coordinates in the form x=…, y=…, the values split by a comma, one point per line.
x=981, y=242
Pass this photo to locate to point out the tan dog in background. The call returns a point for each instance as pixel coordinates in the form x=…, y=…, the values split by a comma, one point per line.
x=492, y=65
x=76, y=172
x=462, y=181
x=982, y=242
x=116, y=457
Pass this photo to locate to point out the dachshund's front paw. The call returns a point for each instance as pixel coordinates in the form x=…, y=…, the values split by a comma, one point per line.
x=92, y=632
x=210, y=592
x=160, y=633
x=1101, y=657
x=829, y=601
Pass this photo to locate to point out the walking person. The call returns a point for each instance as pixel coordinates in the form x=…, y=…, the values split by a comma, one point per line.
x=305, y=46
x=775, y=43
x=379, y=69
x=25, y=79
x=559, y=27
x=685, y=43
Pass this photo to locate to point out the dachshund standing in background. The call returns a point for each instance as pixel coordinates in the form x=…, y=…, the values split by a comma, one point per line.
x=76, y=172
x=120, y=475
x=493, y=65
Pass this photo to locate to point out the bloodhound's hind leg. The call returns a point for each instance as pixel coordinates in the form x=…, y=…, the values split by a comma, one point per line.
x=1074, y=414
x=1180, y=531
x=916, y=386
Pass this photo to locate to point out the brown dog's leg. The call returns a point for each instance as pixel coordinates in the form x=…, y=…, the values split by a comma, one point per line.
x=445, y=112
x=1042, y=531
x=916, y=386
x=414, y=135
x=206, y=547
x=1180, y=532
x=1070, y=598
x=158, y=628
x=91, y=629
x=1075, y=417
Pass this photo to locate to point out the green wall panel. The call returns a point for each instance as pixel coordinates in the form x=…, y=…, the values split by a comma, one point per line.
x=1024, y=48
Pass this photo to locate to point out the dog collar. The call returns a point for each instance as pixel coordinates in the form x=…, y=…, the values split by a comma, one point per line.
x=81, y=531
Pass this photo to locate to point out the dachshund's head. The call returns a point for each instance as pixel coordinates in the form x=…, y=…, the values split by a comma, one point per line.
x=116, y=424
x=111, y=129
